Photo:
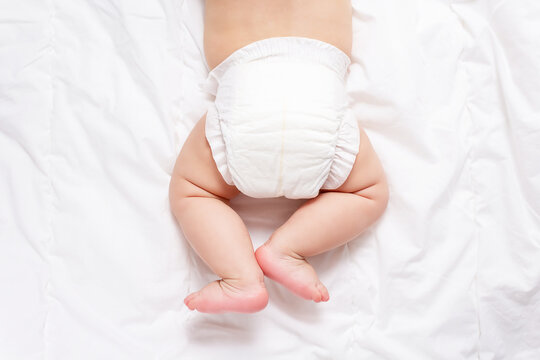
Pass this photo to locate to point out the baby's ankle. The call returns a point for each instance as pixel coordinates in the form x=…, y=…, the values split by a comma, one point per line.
x=246, y=281
x=279, y=246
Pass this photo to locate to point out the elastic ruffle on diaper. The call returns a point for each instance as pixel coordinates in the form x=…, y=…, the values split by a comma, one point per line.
x=257, y=144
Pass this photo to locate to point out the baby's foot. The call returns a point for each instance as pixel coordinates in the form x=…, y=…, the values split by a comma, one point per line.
x=293, y=272
x=228, y=296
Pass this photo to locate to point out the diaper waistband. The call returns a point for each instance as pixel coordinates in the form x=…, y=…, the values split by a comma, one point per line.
x=288, y=47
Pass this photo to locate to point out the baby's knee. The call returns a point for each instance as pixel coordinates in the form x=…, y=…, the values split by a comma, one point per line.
x=178, y=190
x=181, y=189
x=382, y=194
x=378, y=195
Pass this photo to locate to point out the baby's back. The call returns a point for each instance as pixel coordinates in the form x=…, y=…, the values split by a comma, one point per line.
x=232, y=24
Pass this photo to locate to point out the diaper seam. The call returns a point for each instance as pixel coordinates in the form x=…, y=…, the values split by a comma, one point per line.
x=283, y=121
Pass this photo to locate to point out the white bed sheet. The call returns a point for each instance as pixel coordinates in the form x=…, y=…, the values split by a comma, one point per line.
x=96, y=99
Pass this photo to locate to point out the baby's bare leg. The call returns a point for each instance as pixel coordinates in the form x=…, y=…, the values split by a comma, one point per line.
x=331, y=219
x=199, y=200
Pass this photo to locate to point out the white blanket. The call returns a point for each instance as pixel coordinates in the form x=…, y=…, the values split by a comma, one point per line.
x=96, y=99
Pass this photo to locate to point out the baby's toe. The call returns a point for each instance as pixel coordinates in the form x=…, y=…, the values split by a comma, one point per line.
x=189, y=300
x=322, y=293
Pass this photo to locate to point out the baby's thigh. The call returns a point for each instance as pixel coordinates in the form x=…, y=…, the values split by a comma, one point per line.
x=367, y=171
x=195, y=167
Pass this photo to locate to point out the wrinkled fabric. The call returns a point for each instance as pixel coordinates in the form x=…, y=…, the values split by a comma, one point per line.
x=280, y=123
x=96, y=100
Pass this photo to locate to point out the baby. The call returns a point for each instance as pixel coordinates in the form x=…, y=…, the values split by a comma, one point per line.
x=280, y=125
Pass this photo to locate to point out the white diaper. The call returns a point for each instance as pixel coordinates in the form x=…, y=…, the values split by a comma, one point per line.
x=280, y=124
